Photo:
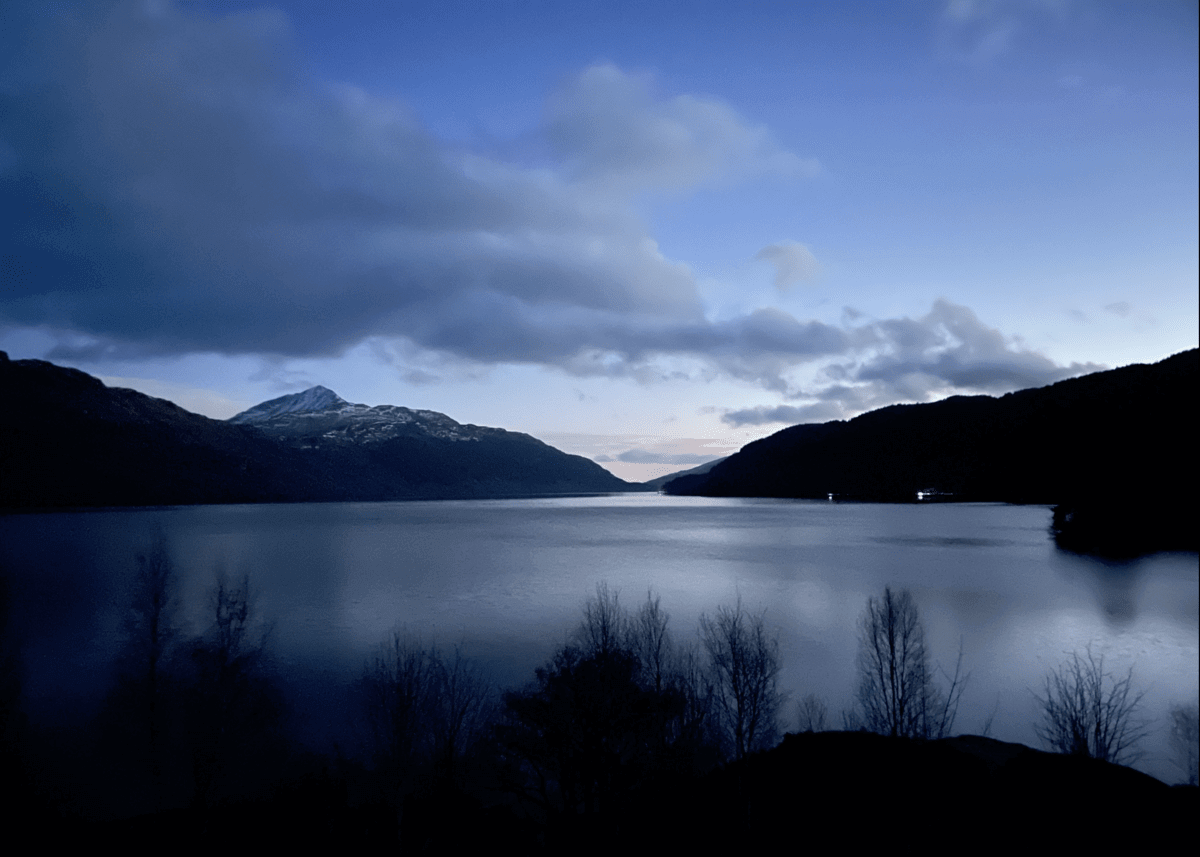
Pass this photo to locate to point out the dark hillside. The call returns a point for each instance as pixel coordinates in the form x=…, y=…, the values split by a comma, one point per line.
x=875, y=792
x=68, y=440
x=1121, y=430
x=1111, y=447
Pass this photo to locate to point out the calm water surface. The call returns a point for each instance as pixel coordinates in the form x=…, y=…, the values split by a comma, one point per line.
x=506, y=579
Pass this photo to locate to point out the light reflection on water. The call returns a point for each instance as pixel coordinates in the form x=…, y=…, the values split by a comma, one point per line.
x=506, y=579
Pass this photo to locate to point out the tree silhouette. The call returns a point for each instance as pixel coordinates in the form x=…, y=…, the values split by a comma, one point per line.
x=812, y=714
x=649, y=638
x=423, y=711
x=1185, y=740
x=463, y=712
x=151, y=635
x=1089, y=712
x=605, y=625
x=897, y=693
x=610, y=713
x=141, y=723
x=744, y=669
x=235, y=707
x=581, y=737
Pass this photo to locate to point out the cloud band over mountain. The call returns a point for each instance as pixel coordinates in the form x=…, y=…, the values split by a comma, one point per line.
x=186, y=186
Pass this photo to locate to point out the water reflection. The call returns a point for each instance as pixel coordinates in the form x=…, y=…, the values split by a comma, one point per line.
x=505, y=579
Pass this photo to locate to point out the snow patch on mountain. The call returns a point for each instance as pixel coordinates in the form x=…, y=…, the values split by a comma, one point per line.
x=319, y=416
x=311, y=401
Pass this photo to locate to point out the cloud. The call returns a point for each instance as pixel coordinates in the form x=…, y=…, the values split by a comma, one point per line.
x=614, y=135
x=793, y=262
x=945, y=352
x=181, y=185
x=788, y=414
x=978, y=32
x=1120, y=308
x=645, y=456
x=952, y=348
x=184, y=186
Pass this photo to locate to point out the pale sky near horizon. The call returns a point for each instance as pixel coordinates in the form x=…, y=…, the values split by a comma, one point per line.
x=643, y=232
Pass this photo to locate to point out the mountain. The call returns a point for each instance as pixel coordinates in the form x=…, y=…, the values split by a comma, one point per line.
x=657, y=483
x=313, y=399
x=68, y=440
x=319, y=416
x=395, y=451
x=1112, y=449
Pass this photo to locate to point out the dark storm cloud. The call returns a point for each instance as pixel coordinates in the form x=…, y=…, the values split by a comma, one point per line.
x=178, y=184
x=184, y=187
x=948, y=350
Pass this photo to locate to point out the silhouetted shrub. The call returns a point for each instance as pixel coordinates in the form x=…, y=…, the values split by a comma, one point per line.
x=1089, y=712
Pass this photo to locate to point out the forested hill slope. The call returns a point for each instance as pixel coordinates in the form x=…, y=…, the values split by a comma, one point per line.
x=1119, y=436
x=68, y=440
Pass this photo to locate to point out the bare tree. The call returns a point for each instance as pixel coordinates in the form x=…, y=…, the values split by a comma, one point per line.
x=812, y=714
x=605, y=624
x=150, y=636
x=648, y=637
x=699, y=728
x=423, y=711
x=744, y=668
x=400, y=687
x=235, y=703
x=151, y=629
x=1089, y=712
x=897, y=691
x=463, y=709
x=1185, y=740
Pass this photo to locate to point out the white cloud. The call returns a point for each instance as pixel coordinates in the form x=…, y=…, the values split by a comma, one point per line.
x=794, y=262
x=947, y=351
x=616, y=137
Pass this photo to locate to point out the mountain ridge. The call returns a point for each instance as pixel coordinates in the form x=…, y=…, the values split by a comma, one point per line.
x=1109, y=447
x=67, y=440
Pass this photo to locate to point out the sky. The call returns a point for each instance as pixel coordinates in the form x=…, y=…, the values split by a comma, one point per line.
x=644, y=232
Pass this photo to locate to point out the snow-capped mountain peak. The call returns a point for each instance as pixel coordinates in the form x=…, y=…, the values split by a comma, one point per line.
x=320, y=416
x=310, y=401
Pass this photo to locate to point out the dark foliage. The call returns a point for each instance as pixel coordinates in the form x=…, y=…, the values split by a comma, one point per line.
x=615, y=717
x=587, y=734
x=190, y=719
x=234, y=706
x=1121, y=526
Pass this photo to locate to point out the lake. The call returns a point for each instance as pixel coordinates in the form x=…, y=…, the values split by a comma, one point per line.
x=506, y=579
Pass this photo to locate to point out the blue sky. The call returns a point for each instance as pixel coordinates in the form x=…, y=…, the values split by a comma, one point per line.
x=643, y=232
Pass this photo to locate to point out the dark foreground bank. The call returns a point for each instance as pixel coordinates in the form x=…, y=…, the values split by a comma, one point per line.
x=848, y=789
